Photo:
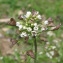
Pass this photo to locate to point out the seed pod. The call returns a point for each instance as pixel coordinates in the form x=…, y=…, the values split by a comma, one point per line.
x=50, y=20
x=51, y=25
x=20, y=17
x=12, y=22
x=30, y=53
x=26, y=39
x=56, y=27
x=13, y=42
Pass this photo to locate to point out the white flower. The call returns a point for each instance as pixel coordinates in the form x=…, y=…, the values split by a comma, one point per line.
x=34, y=33
x=53, y=47
x=35, y=24
x=38, y=16
x=23, y=34
x=16, y=50
x=28, y=14
x=40, y=53
x=52, y=53
x=55, y=41
x=17, y=23
x=49, y=55
x=29, y=29
x=46, y=22
x=1, y=57
x=50, y=33
x=47, y=43
x=46, y=47
x=36, y=28
x=20, y=27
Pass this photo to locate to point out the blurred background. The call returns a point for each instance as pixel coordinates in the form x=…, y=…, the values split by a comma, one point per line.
x=48, y=8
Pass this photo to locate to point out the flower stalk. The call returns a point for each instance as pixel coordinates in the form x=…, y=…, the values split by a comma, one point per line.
x=35, y=46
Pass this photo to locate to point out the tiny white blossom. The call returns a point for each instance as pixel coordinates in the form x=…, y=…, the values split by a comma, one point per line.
x=35, y=24
x=16, y=49
x=40, y=53
x=53, y=47
x=49, y=55
x=46, y=47
x=55, y=41
x=52, y=53
x=28, y=14
x=1, y=57
x=20, y=27
x=38, y=16
x=23, y=34
x=29, y=29
x=47, y=43
x=36, y=28
x=34, y=33
x=46, y=22
x=42, y=29
x=50, y=33
x=17, y=23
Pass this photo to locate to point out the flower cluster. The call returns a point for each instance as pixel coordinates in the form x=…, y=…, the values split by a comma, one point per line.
x=32, y=24
x=50, y=54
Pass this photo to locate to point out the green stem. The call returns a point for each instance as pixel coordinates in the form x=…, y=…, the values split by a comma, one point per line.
x=35, y=46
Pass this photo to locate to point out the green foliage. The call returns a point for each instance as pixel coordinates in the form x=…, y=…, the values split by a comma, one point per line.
x=51, y=8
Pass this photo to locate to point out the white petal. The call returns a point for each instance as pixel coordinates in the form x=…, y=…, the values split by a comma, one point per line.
x=46, y=22
x=23, y=34
x=36, y=28
x=38, y=16
x=34, y=33
x=29, y=29
x=52, y=53
x=17, y=23
x=20, y=27
x=1, y=57
x=28, y=14
x=35, y=24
